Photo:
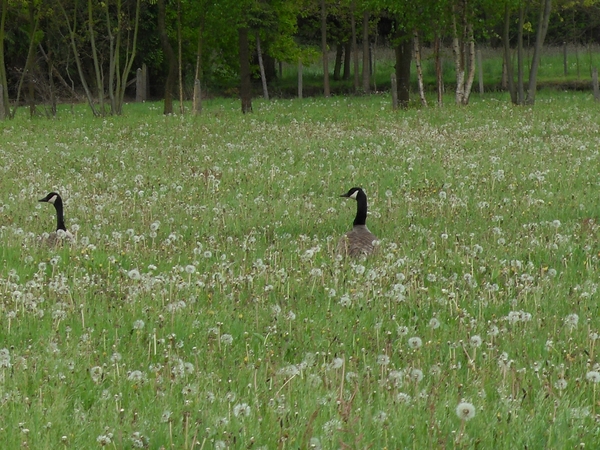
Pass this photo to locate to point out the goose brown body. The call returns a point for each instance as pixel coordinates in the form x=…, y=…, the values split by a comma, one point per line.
x=358, y=241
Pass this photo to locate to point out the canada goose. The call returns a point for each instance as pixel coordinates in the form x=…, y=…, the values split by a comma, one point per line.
x=61, y=230
x=358, y=241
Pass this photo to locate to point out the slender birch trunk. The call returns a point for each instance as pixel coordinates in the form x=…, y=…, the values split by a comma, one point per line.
x=326, y=90
x=417, y=50
x=261, y=65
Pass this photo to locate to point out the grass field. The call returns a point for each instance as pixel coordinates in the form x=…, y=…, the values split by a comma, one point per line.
x=202, y=305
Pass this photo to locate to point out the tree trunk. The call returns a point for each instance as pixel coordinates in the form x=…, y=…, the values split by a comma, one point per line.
x=261, y=65
x=463, y=47
x=197, y=103
x=197, y=100
x=4, y=108
x=337, y=68
x=417, y=46
x=354, y=45
x=170, y=57
x=180, y=58
x=507, y=56
x=347, y=54
x=33, y=21
x=245, y=81
x=459, y=63
x=403, y=61
x=26, y=74
x=520, y=58
x=439, y=76
x=129, y=58
x=112, y=62
x=97, y=70
x=71, y=28
x=326, y=90
x=545, y=10
x=366, y=69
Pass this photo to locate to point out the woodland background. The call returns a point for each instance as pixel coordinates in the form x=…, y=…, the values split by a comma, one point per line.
x=57, y=51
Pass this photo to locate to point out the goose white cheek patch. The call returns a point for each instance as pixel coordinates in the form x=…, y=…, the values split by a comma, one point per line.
x=52, y=199
x=354, y=195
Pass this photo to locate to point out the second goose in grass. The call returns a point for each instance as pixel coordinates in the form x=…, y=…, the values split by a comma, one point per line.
x=358, y=241
x=61, y=230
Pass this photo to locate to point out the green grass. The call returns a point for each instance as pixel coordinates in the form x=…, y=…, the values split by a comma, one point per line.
x=238, y=305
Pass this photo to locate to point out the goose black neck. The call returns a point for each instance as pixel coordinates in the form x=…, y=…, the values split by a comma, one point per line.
x=60, y=219
x=361, y=209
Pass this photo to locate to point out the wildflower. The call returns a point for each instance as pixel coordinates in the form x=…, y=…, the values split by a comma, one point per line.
x=226, y=339
x=403, y=398
x=434, y=323
x=134, y=274
x=4, y=358
x=402, y=330
x=96, y=373
x=416, y=375
x=135, y=376
x=138, y=324
x=383, y=360
x=475, y=341
x=104, y=440
x=560, y=384
x=166, y=417
x=241, y=410
x=415, y=342
x=289, y=371
x=332, y=426
x=337, y=363
x=190, y=268
x=465, y=411
x=380, y=417
x=571, y=321
x=345, y=300
x=593, y=376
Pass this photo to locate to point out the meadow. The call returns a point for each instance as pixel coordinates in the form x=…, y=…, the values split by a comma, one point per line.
x=202, y=304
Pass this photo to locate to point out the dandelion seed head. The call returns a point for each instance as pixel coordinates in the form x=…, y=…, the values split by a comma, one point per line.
x=593, y=376
x=241, y=410
x=415, y=342
x=465, y=411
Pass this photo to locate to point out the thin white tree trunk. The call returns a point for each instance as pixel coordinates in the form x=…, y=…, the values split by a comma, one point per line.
x=459, y=64
x=417, y=46
x=470, y=64
x=261, y=64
